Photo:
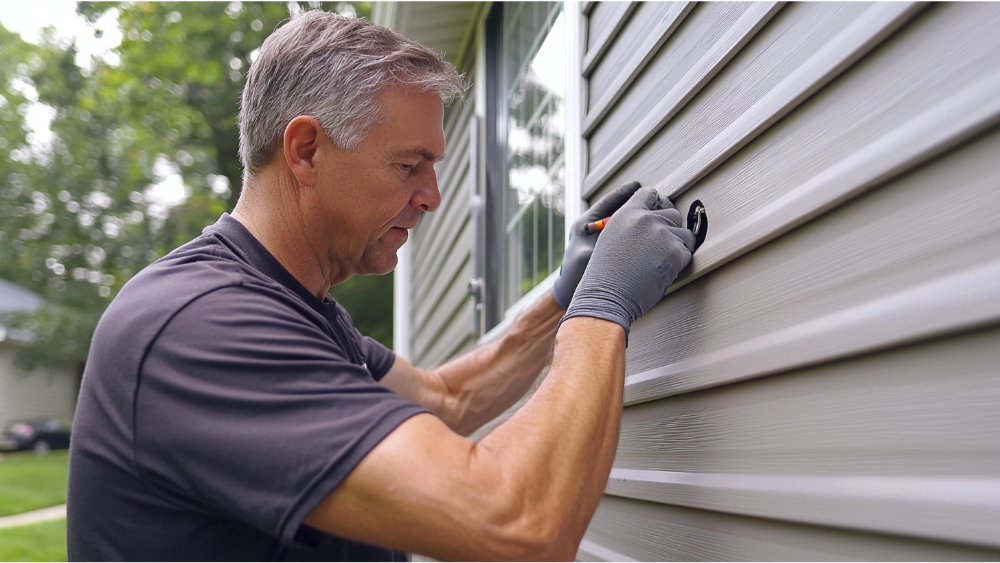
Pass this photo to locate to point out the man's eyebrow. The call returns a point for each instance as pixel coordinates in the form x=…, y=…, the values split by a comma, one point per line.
x=425, y=154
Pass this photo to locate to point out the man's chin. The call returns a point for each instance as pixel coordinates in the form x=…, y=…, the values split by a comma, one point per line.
x=378, y=264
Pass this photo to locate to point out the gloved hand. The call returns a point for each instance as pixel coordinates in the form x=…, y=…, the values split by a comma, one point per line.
x=640, y=253
x=581, y=245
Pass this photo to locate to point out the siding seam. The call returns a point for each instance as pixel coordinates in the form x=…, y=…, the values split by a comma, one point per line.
x=930, y=133
x=854, y=41
x=955, y=509
x=735, y=38
x=602, y=43
x=634, y=67
x=961, y=301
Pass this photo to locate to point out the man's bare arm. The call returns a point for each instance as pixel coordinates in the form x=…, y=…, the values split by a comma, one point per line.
x=528, y=489
x=472, y=390
x=525, y=491
x=475, y=388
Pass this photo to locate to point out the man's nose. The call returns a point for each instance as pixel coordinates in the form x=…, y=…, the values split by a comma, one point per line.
x=427, y=197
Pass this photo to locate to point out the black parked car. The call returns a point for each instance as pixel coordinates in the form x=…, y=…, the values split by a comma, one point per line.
x=40, y=435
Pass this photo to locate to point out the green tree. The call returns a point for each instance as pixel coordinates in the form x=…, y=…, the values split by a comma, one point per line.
x=76, y=217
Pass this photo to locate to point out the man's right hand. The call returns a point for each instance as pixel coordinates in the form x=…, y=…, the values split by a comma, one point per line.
x=640, y=253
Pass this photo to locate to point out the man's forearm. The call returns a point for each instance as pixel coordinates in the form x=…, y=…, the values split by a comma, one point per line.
x=526, y=491
x=483, y=383
x=556, y=452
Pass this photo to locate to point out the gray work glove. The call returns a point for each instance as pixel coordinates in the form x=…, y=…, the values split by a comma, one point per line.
x=581, y=245
x=640, y=253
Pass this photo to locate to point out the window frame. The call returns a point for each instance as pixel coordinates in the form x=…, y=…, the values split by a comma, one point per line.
x=497, y=319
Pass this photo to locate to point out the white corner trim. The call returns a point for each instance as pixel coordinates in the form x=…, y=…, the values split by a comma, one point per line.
x=401, y=303
x=575, y=145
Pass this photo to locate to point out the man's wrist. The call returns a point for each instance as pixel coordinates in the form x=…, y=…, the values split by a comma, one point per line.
x=605, y=307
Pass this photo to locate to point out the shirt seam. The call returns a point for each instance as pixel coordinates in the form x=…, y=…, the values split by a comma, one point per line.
x=142, y=363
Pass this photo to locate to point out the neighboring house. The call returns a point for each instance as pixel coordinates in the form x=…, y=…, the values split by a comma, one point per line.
x=824, y=380
x=45, y=392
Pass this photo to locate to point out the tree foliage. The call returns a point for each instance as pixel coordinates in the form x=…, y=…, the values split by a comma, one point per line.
x=78, y=217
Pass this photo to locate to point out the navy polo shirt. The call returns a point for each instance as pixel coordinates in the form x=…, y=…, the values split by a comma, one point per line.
x=221, y=403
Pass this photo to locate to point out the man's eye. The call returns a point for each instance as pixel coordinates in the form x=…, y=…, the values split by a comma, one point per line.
x=406, y=167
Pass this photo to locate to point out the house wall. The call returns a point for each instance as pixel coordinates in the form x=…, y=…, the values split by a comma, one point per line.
x=439, y=252
x=822, y=382
x=41, y=393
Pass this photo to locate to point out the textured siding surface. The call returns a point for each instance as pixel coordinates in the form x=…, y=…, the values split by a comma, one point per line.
x=441, y=250
x=822, y=383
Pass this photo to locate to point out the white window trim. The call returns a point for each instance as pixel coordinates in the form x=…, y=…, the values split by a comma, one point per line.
x=575, y=154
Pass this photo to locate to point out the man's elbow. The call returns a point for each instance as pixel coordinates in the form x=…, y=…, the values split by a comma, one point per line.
x=528, y=530
x=536, y=541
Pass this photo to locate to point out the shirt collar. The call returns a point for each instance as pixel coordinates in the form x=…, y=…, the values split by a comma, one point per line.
x=248, y=248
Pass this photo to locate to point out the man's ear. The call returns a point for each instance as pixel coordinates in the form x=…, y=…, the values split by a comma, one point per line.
x=301, y=141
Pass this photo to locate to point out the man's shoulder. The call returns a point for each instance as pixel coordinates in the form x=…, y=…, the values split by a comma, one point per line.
x=190, y=271
x=194, y=271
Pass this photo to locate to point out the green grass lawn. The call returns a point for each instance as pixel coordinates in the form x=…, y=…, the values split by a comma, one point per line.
x=29, y=481
x=35, y=542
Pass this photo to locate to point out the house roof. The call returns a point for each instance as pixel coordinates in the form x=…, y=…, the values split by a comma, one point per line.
x=14, y=297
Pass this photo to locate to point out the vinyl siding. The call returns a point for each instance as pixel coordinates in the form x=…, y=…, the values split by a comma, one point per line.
x=440, y=252
x=821, y=383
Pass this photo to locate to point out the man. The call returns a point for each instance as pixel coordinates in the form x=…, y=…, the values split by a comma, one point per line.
x=230, y=410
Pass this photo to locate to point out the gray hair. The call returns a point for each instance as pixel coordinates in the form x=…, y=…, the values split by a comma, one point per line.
x=332, y=68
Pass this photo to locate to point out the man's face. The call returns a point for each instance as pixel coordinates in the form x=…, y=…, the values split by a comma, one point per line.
x=368, y=199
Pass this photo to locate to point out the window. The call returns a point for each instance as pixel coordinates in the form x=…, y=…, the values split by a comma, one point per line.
x=525, y=149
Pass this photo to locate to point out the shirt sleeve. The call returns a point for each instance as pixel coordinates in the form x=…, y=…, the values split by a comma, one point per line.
x=378, y=357
x=248, y=409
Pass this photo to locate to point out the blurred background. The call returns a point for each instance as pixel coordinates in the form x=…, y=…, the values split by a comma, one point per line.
x=118, y=143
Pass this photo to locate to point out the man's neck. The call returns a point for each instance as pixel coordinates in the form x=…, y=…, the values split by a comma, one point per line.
x=269, y=208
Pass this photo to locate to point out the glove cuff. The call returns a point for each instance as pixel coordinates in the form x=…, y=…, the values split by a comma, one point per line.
x=598, y=309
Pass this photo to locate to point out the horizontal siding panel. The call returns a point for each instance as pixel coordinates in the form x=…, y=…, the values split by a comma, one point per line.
x=900, y=442
x=443, y=311
x=442, y=242
x=603, y=16
x=638, y=43
x=944, y=50
x=441, y=269
x=454, y=195
x=441, y=224
x=608, y=34
x=455, y=271
x=441, y=245
x=853, y=280
x=835, y=55
x=707, y=39
x=800, y=50
x=455, y=127
x=624, y=530
x=454, y=338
